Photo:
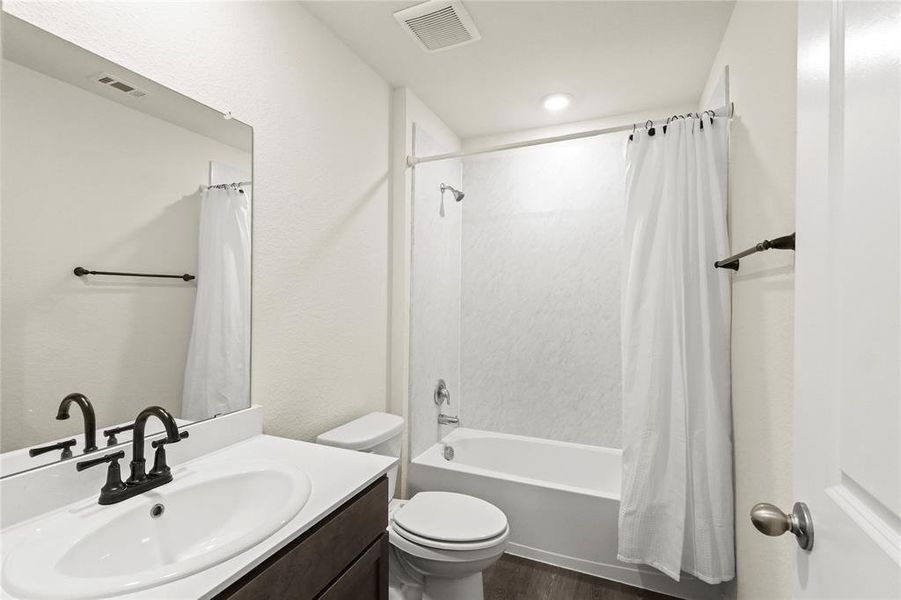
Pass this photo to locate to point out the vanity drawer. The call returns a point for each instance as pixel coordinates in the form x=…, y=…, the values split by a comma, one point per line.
x=346, y=543
x=366, y=578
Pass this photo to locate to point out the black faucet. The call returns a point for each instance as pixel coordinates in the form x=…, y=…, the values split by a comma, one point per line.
x=87, y=411
x=115, y=490
x=138, y=473
x=65, y=446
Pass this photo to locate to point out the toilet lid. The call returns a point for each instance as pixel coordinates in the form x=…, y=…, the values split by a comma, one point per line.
x=456, y=546
x=450, y=517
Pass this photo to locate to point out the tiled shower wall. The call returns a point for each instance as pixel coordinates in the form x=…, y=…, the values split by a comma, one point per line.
x=516, y=291
x=541, y=247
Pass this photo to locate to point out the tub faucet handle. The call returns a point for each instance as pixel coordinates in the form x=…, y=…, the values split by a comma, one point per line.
x=442, y=394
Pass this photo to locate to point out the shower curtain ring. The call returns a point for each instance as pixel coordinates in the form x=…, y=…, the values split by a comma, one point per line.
x=632, y=135
x=649, y=125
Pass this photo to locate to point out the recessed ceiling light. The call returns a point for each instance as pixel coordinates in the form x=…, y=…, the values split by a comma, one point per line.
x=557, y=102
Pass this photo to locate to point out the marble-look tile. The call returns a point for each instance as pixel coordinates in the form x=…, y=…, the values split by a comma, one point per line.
x=541, y=247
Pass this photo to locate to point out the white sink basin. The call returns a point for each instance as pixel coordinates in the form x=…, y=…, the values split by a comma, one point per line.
x=210, y=515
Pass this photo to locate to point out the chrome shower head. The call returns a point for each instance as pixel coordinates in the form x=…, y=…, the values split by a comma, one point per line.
x=458, y=195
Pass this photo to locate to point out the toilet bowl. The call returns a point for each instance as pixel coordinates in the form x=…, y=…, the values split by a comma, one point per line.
x=440, y=541
x=443, y=541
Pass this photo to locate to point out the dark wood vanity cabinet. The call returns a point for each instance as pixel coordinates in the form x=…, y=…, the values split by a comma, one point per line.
x=344, y=557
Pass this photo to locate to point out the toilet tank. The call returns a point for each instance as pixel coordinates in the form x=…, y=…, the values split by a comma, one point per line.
x=378, y=432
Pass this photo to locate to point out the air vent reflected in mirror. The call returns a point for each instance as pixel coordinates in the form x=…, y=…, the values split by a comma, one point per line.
x=126, y=88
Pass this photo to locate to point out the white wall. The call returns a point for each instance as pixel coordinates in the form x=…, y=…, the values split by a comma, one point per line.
x=759, y=47
x=542, y=241
x=321, y=144
x=93, y=183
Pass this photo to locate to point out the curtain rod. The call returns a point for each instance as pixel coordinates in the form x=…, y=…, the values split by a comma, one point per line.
x=786, y=242
x=723, y=111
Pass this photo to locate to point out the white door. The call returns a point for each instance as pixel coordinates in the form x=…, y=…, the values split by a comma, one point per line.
x=847, y=458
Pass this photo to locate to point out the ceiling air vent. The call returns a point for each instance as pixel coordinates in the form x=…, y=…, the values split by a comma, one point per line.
x=438, y=25
x=117, y=84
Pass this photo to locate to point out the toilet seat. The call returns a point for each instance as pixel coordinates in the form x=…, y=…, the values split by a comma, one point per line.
x=449, y=519
x=447, y=527
x=453, y=546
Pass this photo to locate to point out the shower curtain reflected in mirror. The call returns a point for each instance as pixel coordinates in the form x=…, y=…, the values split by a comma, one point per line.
x=676, y=512
x=217, y=373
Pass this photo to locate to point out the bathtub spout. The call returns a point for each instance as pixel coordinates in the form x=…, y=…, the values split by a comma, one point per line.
x=444, y=419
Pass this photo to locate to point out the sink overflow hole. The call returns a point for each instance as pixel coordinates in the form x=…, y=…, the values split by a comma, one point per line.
x=157, y=511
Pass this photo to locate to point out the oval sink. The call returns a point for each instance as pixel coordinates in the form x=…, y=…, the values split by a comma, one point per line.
x=199, y=520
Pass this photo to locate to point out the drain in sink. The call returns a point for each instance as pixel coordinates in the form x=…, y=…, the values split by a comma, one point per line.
x=157, y=510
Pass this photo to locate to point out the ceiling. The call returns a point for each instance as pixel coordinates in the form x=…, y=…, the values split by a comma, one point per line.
x=613, y=57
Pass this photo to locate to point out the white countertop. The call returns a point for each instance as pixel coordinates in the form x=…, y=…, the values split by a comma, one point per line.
x=336, y=475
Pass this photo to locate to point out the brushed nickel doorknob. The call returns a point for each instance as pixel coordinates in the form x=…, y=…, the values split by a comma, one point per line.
x=770, y=520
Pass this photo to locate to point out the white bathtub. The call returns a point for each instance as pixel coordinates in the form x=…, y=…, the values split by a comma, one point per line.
x=561, y=499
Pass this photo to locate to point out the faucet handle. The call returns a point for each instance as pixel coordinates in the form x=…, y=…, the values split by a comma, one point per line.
x=160, y=442
x=112, y=433
x=160, y=468
x=113, y=485
x=65, y=446
x=109, y=458
x=442, y=394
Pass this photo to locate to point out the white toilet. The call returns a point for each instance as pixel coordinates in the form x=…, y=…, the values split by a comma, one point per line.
x=440, y=541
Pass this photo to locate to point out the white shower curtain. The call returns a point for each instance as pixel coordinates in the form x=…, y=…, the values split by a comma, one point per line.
x=217, y=373
x=676, y=512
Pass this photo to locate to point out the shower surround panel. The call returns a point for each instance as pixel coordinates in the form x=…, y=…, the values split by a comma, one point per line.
x=434, y=292
x=541, y=254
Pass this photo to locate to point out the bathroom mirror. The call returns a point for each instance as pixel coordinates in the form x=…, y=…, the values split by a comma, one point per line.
x=124, y=276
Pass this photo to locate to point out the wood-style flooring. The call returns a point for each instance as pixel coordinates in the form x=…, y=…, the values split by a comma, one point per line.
x=514, y=578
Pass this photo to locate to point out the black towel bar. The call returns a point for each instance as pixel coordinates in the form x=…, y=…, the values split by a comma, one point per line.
x=81, y=271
